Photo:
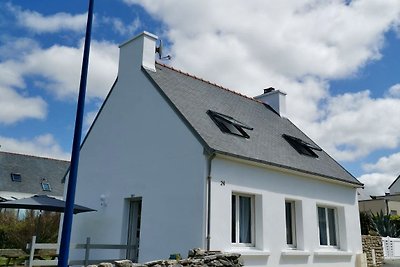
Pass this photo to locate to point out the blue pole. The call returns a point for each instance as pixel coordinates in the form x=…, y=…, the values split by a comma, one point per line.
x=70, y=198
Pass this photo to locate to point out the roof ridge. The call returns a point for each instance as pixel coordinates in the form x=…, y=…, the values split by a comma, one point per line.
x=209, y=82
x=33, y=156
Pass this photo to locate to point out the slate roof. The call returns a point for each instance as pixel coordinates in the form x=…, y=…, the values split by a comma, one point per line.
x=191, y=97
x=32, y=169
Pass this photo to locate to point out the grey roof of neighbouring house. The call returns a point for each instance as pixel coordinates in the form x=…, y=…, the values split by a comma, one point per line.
x=33, y=170
x=191, y=97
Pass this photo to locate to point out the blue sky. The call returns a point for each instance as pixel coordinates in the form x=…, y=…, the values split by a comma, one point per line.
x=337, y=60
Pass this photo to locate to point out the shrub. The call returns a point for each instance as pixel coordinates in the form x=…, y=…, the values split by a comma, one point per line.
x=384, y=225
x=366, y=223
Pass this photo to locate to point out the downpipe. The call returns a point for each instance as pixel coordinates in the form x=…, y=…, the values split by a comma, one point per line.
x=210, y=157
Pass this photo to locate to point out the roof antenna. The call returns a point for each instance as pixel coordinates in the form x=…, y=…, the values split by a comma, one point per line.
x=159, y=50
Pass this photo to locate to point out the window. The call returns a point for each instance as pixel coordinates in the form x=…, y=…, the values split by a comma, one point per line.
x=290, y=223
x=228, y=124
x=393, y=212
x=16, y=177
x=327, y=226
x=46, y=186
x=301, y=146
x=242, y=219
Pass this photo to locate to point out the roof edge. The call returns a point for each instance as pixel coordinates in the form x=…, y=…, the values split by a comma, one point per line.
x=34, y=156
x=91, y=126
x=209, y=82
x=340, y=165
x=280, y=166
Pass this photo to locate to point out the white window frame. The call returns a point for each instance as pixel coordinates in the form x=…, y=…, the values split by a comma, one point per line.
x=335, y=213
x=237, y=222
x=293, y=223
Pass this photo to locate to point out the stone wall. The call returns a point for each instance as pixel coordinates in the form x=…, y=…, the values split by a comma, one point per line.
x=372, y=247
x=196, y=257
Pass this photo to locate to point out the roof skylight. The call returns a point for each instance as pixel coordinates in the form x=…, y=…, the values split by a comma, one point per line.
x=16, y=177
x=301, y=146
x=45, y=185
x=227, y=124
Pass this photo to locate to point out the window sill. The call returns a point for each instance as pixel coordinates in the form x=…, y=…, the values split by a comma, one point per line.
x=333, y=253
x=295, y=252
x=250, y=251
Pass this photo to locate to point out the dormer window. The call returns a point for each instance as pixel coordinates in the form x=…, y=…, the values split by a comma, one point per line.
x=227, y=124
x=45, y=185
x=16, y=177
x=301, y=146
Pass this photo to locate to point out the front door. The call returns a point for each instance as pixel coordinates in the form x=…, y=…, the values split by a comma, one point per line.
x=135, y=210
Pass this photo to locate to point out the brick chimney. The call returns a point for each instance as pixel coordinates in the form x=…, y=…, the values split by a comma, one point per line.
x=275, y=99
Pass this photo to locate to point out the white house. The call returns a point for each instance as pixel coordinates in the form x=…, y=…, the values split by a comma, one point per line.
x=173, y=162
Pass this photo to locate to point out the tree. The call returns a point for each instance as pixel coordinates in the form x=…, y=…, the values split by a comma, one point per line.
x=17, y=232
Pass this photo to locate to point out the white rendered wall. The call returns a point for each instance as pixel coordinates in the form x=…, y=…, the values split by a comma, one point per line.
x=139, y=146
x=270, y=189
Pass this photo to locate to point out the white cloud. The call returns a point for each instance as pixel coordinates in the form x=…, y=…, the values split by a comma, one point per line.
x=16, y=47
x=389, y=165
x=42, y=145
x=48, y=24
x=394, y=91
x=381, y=174
x=120, y=27
x=293, y=38
x=376, y=184
x=15, y=107
x=55, y=69
x=58, y=68
x=355, y=125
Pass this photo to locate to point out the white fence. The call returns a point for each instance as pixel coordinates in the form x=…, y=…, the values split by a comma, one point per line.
x=391, y=248
x=37, y=260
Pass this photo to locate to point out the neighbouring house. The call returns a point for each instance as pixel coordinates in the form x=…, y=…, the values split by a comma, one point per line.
x=24, y=176
x=394, y=188
x=388, y=203
x=173, y=162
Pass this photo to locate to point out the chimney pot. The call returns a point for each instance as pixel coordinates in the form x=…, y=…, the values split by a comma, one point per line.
x=269, y=89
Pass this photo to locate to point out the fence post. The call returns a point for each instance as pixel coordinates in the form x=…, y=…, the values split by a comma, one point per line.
x=87, y=250
x=32, y=250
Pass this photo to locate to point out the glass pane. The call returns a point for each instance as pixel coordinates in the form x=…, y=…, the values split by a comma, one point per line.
x=323, y=239
x=332, y=227
x=244, y=219
x=289, y=226
x=233, y=226
x=232, y=128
